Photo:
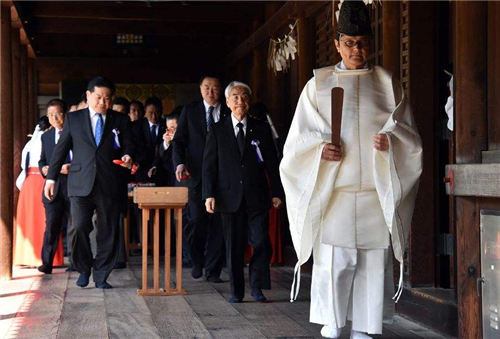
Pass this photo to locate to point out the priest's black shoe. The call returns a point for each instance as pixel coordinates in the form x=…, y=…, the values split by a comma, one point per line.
x=197, y=271
x=103, y=284
x=258, y=295
x=234, y=300
x=45, y=269
x=215, y=280
x=83, y=280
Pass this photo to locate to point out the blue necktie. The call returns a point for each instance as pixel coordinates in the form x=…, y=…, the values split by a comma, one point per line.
x=210, y=118
x=98, y=129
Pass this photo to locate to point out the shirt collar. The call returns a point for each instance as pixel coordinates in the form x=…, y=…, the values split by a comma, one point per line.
x=207, y=106
x=342, y=66
x=93, y=113
x=235, y=121
x=151, y=124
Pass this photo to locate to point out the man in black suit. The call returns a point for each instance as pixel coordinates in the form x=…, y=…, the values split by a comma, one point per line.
x=97, y=136
x=153, y=128
x=203, y=232
x=57, y=210
x=239, y=153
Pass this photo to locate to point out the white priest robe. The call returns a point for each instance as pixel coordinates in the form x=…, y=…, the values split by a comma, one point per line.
x=350, y=212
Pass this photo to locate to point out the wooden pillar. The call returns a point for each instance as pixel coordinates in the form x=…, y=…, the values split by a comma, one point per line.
x=6, y=147
x=470, y=68
x=19, y=137
x=24, y=90
x=32, y=93
x=305, y=50
x=423, y=84
x=391, y=36
x=493, y=75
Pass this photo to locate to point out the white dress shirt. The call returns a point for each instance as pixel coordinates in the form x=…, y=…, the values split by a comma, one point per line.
x=235, y=122
x=215, y=112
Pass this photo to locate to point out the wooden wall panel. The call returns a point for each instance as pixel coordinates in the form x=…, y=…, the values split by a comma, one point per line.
x=493, y=75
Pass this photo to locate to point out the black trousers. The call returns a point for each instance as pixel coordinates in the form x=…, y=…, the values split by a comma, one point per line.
x=239, y=227
x=204, y=235
x=57, y=215
x=108, y=217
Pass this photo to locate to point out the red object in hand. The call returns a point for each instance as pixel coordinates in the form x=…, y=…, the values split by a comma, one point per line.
x=134, y=169
x=118, y=162
x=185, y=177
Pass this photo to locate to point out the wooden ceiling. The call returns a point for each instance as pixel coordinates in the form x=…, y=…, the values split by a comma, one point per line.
x=181, y=39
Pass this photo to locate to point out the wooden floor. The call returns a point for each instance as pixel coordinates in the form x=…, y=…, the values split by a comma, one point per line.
x=52, y=306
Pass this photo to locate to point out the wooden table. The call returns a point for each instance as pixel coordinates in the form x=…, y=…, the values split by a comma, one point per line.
x=171, y=199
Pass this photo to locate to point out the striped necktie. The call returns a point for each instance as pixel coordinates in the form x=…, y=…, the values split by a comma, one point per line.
x=210, y=118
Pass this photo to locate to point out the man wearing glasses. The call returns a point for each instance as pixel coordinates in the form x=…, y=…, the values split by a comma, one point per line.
x=349, y=202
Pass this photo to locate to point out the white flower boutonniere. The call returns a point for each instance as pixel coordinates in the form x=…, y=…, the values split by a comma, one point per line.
x=116, y=132
x=255, y=144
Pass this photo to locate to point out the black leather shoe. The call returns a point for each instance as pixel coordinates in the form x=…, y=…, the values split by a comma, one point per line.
x=215, y=280
x=258, y=295
x=83, y=280
x=45, y=269
x=104, y=285
x=196, y=272
x=234, y=300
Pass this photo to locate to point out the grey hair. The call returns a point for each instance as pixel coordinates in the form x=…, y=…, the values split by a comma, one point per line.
x=234, y=84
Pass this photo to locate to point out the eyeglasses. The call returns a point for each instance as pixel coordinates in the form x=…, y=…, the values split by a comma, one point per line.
x=359, y=43
x=55, y=115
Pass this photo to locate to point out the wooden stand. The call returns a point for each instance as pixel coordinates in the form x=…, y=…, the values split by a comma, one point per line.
x=158, y=198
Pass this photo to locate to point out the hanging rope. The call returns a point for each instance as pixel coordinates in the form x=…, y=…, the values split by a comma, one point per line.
x=282, y=51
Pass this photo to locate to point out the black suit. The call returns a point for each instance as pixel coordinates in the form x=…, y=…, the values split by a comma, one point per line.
x=165, y=166
x=148, y=153
x=243, y=197
x=203, y=231
x=57, y=210
x=94, y=183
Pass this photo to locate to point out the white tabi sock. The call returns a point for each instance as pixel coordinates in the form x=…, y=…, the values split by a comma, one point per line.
x=359, y=335
x=330, y=332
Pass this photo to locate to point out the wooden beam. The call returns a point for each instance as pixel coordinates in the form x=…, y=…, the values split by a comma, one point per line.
x=6, y=148
x=473, y=180
x=138, y=12
x=33, y=113
x=26, y=33
x=151, y=28
x=24, y=92
x=280, y=19
x=470, y=68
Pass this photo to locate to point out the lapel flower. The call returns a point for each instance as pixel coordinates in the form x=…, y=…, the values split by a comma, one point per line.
x=255, y=144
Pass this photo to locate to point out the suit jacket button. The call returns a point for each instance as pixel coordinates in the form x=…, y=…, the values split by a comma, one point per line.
x=241, y=181
x=95, y=165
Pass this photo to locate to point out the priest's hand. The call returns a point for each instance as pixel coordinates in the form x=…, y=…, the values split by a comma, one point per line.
x=277, y=203
x=332, y=152
x=210, y=205
x=381, y=142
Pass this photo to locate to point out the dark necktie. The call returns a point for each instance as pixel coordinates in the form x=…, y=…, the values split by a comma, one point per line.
x=240, y=137
x=153, y=133
x=59, y=136
x=210, y=118
x=98, y=129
